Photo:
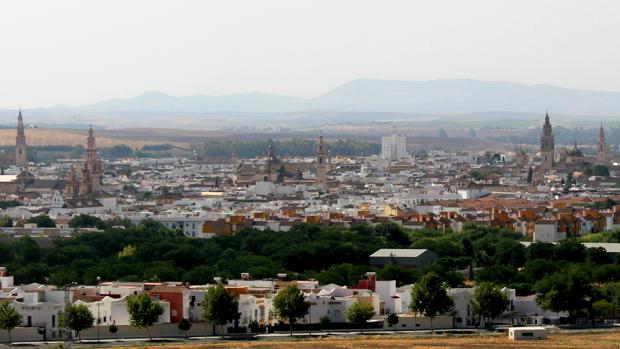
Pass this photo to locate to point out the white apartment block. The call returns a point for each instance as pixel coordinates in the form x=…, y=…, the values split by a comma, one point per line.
x=393, y=147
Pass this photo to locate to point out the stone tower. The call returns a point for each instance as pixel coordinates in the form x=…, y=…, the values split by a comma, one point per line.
x=92, y=165
x=86, y=181
x=547, y=146
x=322, y=161
x=602, y=146
x=269, y=164
x=20, y=143
x=72, y=186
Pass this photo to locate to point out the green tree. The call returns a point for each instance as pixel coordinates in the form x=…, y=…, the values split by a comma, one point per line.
x=325, y=321
x=120, y=151
x=289, y=305
x=10, y=203
x=113, y=329
x=360, y=313
x=488, y=301
x=127, y=251
x=429, y=297
x=602, y=309
x=143, y=312
x=568, y=183
x=219, y=307
x=568, y=290
x=9, y=318
x=393, y=232
x=571, y=251
x=184, y=325
x=6, y=221
x=392, y=320
x=86, y=221
x=540, y=250
x=600, y=170
x=78, y=318
x=42, y=221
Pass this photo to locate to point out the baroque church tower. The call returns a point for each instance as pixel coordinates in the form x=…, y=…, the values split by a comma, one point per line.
x=547, y=146
x=602, y=146
x=20, y=143
x=90, y=176
x=271, y=161
x=322, y=163
x=93, y=164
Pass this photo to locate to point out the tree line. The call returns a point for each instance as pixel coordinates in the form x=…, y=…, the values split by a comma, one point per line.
x=565, y=136
x=293, y=147
x=329, y=254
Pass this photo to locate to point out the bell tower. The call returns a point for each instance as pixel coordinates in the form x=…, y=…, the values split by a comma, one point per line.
x=322, y=161
x=93, y=164
x=602, y=146
x=20, y=143
x=547, y=146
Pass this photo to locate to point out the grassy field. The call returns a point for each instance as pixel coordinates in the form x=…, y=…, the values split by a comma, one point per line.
x=588, y=340
x=46, y=136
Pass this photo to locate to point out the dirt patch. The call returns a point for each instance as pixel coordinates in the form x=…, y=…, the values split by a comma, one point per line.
x=555, y=341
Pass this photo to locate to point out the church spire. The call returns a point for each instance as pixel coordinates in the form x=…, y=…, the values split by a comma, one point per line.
x=547, y=145
x=602, y=146
x=91, y=138
x=20, y=142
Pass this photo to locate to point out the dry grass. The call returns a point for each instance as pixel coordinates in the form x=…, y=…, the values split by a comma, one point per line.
x=556, y=341
x=43, y=136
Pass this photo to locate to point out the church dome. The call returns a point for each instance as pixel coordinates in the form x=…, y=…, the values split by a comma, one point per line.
x=575, y=152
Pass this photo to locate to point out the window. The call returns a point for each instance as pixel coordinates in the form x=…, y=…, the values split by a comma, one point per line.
x=527, y=334
x=53, y=320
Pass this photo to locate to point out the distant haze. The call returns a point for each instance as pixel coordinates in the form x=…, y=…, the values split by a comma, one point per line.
x=73, y=52
x=361, y=100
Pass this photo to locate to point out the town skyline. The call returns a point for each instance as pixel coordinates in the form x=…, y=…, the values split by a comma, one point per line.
x=309, y=173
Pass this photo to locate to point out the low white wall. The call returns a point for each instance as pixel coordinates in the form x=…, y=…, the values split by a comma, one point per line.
x=162, y=330
x=21, y=334
x=30, y=334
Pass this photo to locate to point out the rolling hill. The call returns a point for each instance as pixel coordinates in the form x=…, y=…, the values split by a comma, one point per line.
x=360, y=100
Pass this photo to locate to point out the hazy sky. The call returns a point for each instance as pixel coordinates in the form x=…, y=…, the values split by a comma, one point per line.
x=77, y=52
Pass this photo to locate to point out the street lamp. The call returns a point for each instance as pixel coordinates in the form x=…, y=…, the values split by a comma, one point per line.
x=67, y=290
x=98, y=304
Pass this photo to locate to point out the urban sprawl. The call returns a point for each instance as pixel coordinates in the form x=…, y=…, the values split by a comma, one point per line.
x=136, y=247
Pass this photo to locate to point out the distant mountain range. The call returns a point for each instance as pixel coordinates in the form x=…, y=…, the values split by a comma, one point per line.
x=357, y=100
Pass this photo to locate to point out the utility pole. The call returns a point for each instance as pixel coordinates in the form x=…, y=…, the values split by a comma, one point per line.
x=310, y=324
x=98, y=304
x=68, y=338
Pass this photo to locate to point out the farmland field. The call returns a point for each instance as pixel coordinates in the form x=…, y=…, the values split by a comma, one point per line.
x=586, y=340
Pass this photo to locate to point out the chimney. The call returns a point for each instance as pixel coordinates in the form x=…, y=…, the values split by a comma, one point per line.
x=245, y=276
x=282, y=276
x=218, y=280
x=3, y=272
